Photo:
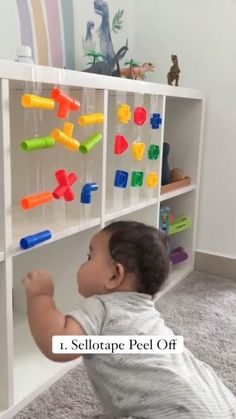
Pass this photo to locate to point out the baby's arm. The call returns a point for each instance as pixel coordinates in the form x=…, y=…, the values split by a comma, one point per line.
x=44, y=318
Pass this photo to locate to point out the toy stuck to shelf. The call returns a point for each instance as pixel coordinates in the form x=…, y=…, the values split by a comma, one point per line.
x=95, y=118
x=66, y=102
x=124, y=114
x=86, y=194
x=33, y=101
x=32, y=201
x=90, y=143
x=65, y=181
x=121, y=144
x=31, y=241
x=37, y=143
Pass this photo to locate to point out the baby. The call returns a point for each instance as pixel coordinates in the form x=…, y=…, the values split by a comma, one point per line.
x=127, y=264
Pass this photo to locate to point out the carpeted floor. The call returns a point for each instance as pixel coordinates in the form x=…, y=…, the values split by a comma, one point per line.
x=202, y=308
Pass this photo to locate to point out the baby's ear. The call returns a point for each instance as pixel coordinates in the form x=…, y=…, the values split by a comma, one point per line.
x=117, y=277
x=120, y=271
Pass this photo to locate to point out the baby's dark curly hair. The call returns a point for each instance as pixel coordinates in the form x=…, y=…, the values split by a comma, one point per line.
x=142, y=250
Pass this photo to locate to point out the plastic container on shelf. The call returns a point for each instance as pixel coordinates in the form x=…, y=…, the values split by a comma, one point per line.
x=24, y=54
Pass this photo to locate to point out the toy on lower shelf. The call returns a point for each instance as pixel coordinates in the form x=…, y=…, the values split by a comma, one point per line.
x=171, y=225
x=178, y=255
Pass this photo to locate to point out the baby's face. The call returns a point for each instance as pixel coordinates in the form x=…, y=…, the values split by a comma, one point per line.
x=98, y=269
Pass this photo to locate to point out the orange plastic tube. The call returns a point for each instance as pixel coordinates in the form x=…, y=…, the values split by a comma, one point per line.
x=33, y=101
x=34, y=200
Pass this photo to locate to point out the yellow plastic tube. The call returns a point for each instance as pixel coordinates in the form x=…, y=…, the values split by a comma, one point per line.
x=68, y=129
x=94, y=118
x=33, y=101
x=62, y=138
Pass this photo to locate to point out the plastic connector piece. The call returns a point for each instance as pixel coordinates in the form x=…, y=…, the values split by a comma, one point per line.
x=153, y=152
x=140, y=115
x=86, y=193
x=138, y=150
x=121, y=179
x=152, y=179
x=121, y=144
x=65, y=181
x=38, y=143
x=65, y=137
x=137, y=179
x=124, y=114
x=156, y=121
x=31, y=241
x=66, y=102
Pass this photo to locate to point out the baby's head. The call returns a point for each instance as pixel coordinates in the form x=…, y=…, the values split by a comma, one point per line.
x=125, y=256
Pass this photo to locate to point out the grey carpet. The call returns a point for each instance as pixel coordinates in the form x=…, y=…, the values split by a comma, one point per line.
x=202, y=308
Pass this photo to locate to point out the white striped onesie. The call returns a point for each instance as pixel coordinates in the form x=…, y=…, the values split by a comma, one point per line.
x=154, y=386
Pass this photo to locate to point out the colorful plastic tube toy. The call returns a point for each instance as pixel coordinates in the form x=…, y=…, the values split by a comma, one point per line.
x=90, y=143
x=34, y=239
x=86, y=194
x=65, y=181
x=121, y=144
x=62, y=138
x=32, y=201
x=33, y=101
x=66, y=102
x=37, y=143
x=68, y=129
x=94, y=118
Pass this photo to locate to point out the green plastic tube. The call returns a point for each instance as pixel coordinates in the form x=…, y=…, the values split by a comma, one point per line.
x=37, y=143
x=90, y=143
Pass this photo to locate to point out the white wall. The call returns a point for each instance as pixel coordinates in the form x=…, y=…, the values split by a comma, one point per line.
x=202, y=33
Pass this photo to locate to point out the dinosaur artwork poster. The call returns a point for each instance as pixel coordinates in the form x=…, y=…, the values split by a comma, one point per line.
x=100, y=38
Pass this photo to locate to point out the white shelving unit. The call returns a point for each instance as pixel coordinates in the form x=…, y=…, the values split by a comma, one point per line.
x=24, y=372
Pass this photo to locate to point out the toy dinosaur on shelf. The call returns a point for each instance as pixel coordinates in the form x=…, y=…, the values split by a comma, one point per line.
x=136, y=72
x=173, y=74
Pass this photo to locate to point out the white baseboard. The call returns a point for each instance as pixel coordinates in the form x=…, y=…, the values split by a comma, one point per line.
x=215, y=264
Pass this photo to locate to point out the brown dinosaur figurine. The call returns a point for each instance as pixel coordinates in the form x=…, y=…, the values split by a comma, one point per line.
x=136, y=72
x=173, y=74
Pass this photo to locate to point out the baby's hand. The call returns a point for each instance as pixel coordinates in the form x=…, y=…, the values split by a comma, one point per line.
x=38, y=282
